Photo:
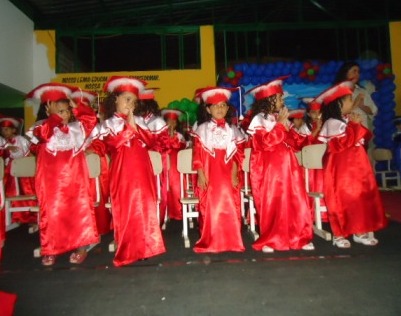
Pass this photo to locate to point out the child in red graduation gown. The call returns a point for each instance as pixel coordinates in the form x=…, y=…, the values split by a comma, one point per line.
x=170, y=175
x=67, y=220
x=17, y=146
x=308, y=126
x=217, y=156
x=353, y=200
x=276, y=178
x=94, y=145
x=132, y=186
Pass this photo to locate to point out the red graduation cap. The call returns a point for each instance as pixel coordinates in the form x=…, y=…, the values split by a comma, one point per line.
x=214, y=95
x=197, y=95
x=9, y=122
x=171, y=114
x=339, y=90
x=298, y=113
x=119, y=84
x=312, y=104
x=50, y=92
x=147, y=94
x=268, y=89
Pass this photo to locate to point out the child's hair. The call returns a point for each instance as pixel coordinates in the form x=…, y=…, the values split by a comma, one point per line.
x=109, y=105
x=333, y=110
x=205, y=116
x=145, y=107
x=42, y=112
x=265, y=105
x=308, y=120
x=342, y=72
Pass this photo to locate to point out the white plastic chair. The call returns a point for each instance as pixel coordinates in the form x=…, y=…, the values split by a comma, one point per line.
x=188, y=201
x=94, y=168
x=246, y=196
x=389, y=174
x=312, y=156
x=157, y=165
x=20, y=167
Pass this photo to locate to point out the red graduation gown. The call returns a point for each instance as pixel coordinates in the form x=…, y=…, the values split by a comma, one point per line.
x=215, y=150
x=352, y=197
x=67, y=218
x=132, y=191
x=278, y=187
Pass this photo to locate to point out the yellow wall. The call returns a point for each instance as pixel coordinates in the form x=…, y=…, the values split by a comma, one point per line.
x=395, y=41
x=173, y=84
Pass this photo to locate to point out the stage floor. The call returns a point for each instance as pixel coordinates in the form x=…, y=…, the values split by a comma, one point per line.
x=327, y=281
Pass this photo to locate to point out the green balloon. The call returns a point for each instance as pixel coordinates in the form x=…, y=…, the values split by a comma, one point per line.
x=185, y=101
x=310, y=72
x=387, y=71
x=182, y=107
x=193, y=107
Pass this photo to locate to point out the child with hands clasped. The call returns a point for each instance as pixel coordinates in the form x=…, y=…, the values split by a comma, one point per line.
x=217, y=156
x=67, y=219
x=170, y=175
x=353, y=201
x=132, y=184
x=276, y=178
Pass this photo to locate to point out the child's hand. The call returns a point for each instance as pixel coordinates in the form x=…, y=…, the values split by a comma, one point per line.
x=355, y=117
x=317, y=127
x=282, y=117
x=12, y=149
x=73, y=104
x=359, y=100
x=202, y=181
x=131, y=119
x=51, y=108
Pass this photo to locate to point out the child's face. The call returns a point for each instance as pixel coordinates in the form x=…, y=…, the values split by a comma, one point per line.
x=8, y=132
x=314, y=115
x=218, y=110
x=62, y=109
x=125, y=102
x=172, y=123
x=298, y=122
x=279, y=102
x=353, y=74
x=347, y=105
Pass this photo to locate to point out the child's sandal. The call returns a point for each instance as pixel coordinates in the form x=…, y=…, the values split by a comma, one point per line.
x=78, y=257
x=341, y=242
x=365, y=240
x=48, y=260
